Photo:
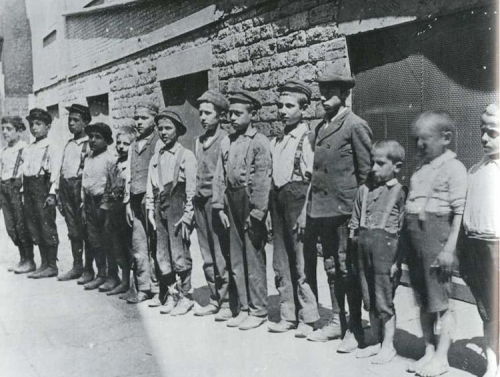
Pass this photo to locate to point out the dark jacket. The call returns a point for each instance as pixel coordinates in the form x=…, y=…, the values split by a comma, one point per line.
x=139, y=164
x=341, y=163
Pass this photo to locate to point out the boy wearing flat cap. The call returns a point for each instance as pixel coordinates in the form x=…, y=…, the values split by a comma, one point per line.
x=342, y=144
x=70, y=188
x=97, y=165
x=479, y=253
x=170, y=188
x=143, y=242
x=40, y=180
x=11, y=160
x=292, y=157
x=212, y=237
x=243, y=181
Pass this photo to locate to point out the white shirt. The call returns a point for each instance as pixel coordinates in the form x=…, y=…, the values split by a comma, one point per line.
x=8, y=159
x=283, y=154
x=483, y=202
x=38, y=162
x=72, y=157
x=95, y=172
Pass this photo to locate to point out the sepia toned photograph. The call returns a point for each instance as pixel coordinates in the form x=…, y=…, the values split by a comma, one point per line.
x=249, y=188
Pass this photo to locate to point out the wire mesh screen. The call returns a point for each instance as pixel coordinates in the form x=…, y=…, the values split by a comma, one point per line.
x=445, y=63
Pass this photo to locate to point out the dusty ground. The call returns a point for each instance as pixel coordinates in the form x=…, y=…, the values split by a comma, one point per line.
x=50, y=328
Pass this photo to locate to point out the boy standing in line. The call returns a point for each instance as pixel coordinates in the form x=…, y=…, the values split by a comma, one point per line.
x=479, y=254
x=292, y=159
x=95, y=172
x=112, y=202
x=70, y=192
x=342, y=143
x=40, y=178
x=376, y=221
x=212, y=237
x=143, y=243
x=11, y=160
x=243, y=179
x=433, y=217
x=170, y=189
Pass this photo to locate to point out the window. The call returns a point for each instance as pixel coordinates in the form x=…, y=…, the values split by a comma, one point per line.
x=99, y=108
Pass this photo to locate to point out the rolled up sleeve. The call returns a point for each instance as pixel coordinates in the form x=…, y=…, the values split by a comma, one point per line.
x=457, y=188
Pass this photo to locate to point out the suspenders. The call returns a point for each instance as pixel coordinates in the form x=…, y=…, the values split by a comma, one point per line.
x=298, y=155
x=45, y=159
x=17, y=165
x=177, y=167
x=393, y=198
x=83, y=156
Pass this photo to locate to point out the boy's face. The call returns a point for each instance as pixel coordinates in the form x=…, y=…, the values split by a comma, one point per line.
x=144, y=120
x=240, y=116
x=431, y=143
x=76, y=124
x=10, y=134
x=331, y=97
x=289, y=109
x=490, y=138
x=167, y=131
x=383, y=168
x=123, y=142
x=39, y=129
x=96, y=142
x=209, y=117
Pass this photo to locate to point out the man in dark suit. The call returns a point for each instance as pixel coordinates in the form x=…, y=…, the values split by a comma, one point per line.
x=342, y=143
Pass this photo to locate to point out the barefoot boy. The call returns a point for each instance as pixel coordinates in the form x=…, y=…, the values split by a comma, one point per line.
x=243, y=179
x=170, y=189
x=112, y=202
x=376, y=220
x=479, y=254
x=434, y=213
x=292, y=157
x=11, y=159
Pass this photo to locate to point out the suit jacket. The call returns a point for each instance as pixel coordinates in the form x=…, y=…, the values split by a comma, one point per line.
x=342, y=162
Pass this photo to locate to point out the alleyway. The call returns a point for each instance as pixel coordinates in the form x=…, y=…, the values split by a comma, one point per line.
x=49, y=328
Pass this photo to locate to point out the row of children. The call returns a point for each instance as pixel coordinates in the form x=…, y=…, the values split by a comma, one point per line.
x=331, y=184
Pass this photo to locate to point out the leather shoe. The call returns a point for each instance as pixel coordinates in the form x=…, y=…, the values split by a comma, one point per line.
x=348, y=344
x=74, y=273
x=331, y=331
x=303, y=330
x=236, y=321
x=169, y=305
x=281, y=326
x=35, y=273
x=252, y=322
x=224, y=314
x=183, y=306
x=140, y=297
x=206, y=310
x=86, y=277
x=155, y=301
x=94, y=284
x=25, y=267
x=109, y=284
x=49, y=272
x=120, y=288
x=16, y=266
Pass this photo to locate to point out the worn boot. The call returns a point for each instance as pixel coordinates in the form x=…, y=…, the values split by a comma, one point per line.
x=123, y=286
x=51, y=270
x=17, y=265
x=86, y=277
x=111, y=283
x=27, y=266
x=77, y=270
x=94, y=284
x=43, y=265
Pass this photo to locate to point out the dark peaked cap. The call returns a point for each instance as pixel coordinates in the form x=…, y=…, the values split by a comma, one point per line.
x=39, y=114
x=243, y=96
x=101, y=128
x=296, y=86
x=214, y=98
x=80, y=109
x=174, y=117
x=336, y=73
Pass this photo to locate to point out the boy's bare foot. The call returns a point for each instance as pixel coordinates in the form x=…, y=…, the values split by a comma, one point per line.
x=434, y=368
x=385, y=355
x=369, y=351
x=429, y=354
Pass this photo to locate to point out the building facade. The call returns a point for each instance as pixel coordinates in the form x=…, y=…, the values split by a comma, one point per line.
x=407, y=57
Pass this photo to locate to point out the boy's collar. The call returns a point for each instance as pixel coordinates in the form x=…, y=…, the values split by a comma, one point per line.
x=81, y=139
x=250, y=131
x=442, y=158
x=391, y=182
x=94, y=154
x=172, y=149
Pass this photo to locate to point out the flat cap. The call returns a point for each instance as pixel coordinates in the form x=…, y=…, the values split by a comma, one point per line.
x=101, y=128
x=243, y=96
x=336, y=73
x=39, y=114
x=80, y=109
x=148, y=105
x=174, y=117
x=296, y=86
x=215, y=98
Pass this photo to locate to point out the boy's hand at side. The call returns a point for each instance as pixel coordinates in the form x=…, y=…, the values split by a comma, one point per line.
x=151, y=219
x=224, y=219
x=50, y=201
x=129, y=216
x=444, y=261
x=183, y=228
x=300, y=226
